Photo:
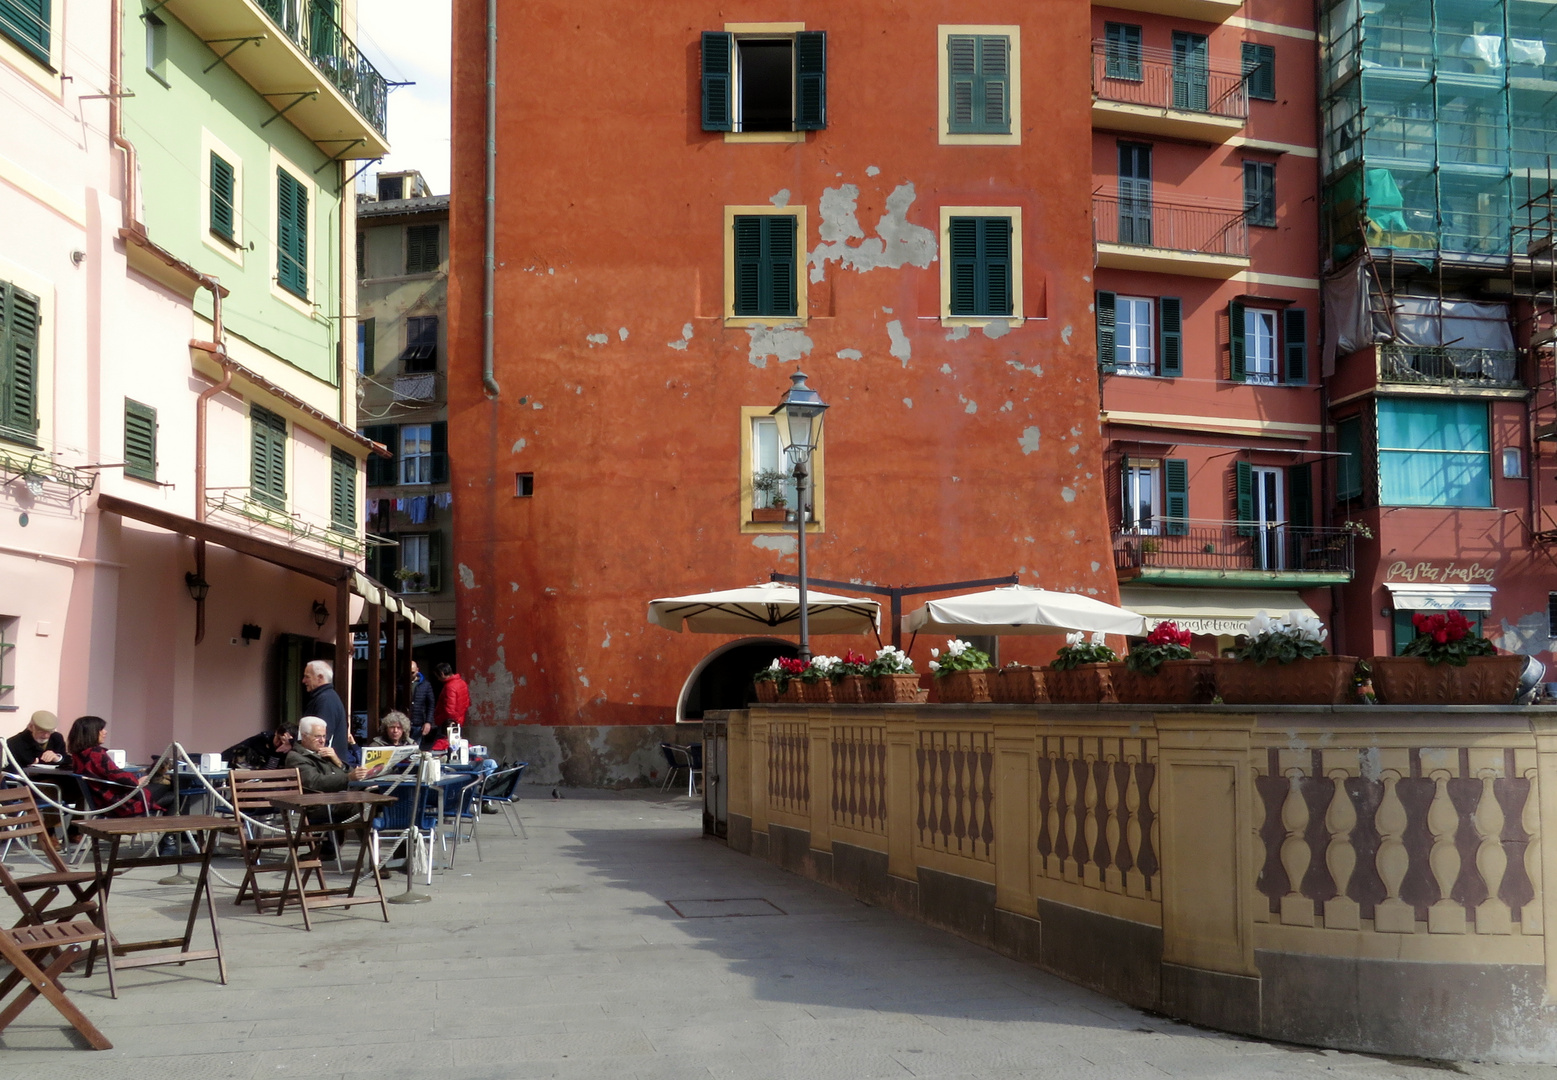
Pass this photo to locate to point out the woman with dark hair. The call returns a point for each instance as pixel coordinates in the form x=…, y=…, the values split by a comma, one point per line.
x=90, y=759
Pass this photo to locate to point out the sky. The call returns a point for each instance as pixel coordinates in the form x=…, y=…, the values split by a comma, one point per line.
x=408, y=40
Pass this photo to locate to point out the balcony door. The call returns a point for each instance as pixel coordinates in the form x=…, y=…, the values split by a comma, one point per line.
x=1135, y=194
x=1269, y=522
x=1191, y=71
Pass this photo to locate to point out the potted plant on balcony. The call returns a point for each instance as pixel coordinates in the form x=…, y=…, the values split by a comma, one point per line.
x=766, y=682
x=770, y=485
x=890, y=677
x=1283, y=662
x=960, y=675
x=1078, y=675
x=1161, y=672
x=1447, y=663
x=816, y=683
x=411, y=580
x=789, y=684
x=1018, y=684
x=848, y=676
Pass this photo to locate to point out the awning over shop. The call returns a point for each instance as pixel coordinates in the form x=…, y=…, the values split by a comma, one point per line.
x=1411, y=596
x=1223, y=612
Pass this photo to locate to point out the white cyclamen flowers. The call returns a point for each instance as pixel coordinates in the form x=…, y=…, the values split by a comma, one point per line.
x=1298, y=624
x=825, y=664
x=1078, y=637
x=897, y=661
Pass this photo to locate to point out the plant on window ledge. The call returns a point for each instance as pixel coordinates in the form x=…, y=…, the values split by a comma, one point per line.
x=410, y=580
x=1445, y=637
x=1358, y=529
x=771, y=483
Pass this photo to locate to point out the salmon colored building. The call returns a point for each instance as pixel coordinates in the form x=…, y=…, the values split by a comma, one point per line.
x=691, y=202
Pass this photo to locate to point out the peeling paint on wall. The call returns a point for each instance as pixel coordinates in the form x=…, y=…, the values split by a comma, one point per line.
x=902, y=348
x=1066, y=333
x=621, y=332
x=897, y=242
x=518, y=446
x=686, y=336
x=871, y=170
x=782, y=545
x=467, y=576
x=958, y=333
x=849, y=354
x=969, y=407
x=1068, y=494
x=1029, y=440
x=996, y=329
x=785, y=343
x=596, y=339
x=909, y=402
x=1008, y=407
x=1019, y=366
x=492, y=693
x=780, y=198
x=1529, y=636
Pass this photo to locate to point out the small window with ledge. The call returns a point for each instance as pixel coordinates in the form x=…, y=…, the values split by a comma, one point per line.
x=767, y=80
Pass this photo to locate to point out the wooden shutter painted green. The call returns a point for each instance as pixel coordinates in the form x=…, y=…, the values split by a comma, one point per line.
x=27, y=22
x=291, y=234
x=222, y=210
x=434, y=562
x=1348, y=473
x=1294, y=335
x=979, y=94
x=20, y=313
x=421, y=249
x=980, y=266
x=1175, y=485
x=268, y=456
x=1259, y=193
x=1191, y=71
x=1107, y=323
x=1237, y=370
x=718, y=87
x=440, y=452
x=1122, y=56
x=1243, y=497
x=765, y=265
x=140, y=440
x=1300, y=496
x=343, y=491
x=1259, y=70
x=811, y=80
x=1170, y=337
x=381, y=471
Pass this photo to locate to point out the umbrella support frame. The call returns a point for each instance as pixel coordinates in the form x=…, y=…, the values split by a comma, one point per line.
x=895, y=593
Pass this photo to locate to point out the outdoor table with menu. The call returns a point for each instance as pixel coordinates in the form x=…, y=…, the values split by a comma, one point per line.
x=305, y=838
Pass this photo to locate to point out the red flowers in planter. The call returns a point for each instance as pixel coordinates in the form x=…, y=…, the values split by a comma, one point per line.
x=1168, y=633
x=1445, y=637
x=1442, y=626
x=791, y=666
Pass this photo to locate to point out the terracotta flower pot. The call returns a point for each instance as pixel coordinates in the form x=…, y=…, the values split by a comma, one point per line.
x=1018, y=686
x=819, y=692
x=1087, y=684
x=1411, y=680
x=963, y=687
x=1177, y=682
x=767, y=691
x=849, y=690
x=769, y=515
x=793, y=693
x=893, y=689
x=1324, y=680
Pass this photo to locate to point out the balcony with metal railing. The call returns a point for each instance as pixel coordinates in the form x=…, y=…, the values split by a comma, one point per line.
x=1458, y=369
x=1236, y=553
x=1158, y=235
x=298, y=57
x=1150, y=91
x=1211, y=11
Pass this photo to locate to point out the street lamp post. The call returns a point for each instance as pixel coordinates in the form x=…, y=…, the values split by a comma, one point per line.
x=799, y=415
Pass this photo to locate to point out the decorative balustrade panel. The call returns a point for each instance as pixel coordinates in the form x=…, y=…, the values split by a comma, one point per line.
x=1399, y=836
x=859, y=778
x=955, y=793
x=1097, y=812
x=789, y=768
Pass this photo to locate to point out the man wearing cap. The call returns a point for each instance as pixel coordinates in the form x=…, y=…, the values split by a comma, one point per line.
x=39, y=743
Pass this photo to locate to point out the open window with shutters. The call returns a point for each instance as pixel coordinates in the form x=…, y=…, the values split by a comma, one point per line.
x=382, y=471
x=763, y=266
x=421, y=344
x=267, y=457
x=1259, y=71
x=20, y=327
x=981, y=265
x=1267, y=345
x=1259, y=193
x=1155, y=496
x=980, y=85
x=1140, y=335
x=140, y=441
x=343, y=491
x=764, y=79
x=420, y=568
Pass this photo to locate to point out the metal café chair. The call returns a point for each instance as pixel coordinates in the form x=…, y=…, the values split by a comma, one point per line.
x=501, y=791
x=402, y=821
x=680, y=757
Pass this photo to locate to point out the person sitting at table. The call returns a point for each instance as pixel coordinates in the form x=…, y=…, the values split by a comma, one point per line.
x=39, y=743
x=318, y=766
x=89, y=758
x=394, y=730
x=267, y=750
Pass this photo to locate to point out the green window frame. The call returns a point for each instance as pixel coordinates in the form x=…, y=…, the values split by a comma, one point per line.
x=1348, y=469
x=978, y=68
x=421, y=249
x=1105, y=305
x=343, y=491
x=1259, y=193
x=1191, y=71
x=1259, y=71
x=291, y=234
x=156, y=47
x=140, y=441
x=29, y=24
x=20, y=321
x=267, y=456
x=767, y=265
x=981, y=269
x=1170, y=337
x=1175, y=502
x=1122, y=51
x=721, y=80
x=223, y=190
x=383, y=472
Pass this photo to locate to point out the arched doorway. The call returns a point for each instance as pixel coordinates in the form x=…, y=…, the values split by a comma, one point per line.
x=722, y=679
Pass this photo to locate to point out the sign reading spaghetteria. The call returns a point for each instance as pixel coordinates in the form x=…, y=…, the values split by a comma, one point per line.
x=1440, y=572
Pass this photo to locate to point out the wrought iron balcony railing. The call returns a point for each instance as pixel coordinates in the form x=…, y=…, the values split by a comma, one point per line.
x=1152, y=223
x=312, y=26
x=1426, y=365
x=1236, y=547
x=1152, y=78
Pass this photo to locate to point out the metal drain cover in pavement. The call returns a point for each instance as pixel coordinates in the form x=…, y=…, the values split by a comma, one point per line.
x=724, y=909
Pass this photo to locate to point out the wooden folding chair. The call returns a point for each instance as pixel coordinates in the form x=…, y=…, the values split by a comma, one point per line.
x=62, y=942
x=251, y=790
x=20, y=821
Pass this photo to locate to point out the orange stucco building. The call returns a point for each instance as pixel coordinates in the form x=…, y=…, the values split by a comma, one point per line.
x=692, y=201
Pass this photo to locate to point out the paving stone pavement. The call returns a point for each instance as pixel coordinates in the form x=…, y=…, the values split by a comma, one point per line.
x=559, y=956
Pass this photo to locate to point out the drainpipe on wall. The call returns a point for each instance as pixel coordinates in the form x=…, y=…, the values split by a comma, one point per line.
x=488, y=286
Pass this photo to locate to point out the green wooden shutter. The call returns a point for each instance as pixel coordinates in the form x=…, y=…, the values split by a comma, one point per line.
x=1348, y=472
x=995, y=265
x=1175, y=485
x=1170, y=337
x=1191, y=71
x=268, y=456
x=1243, y=497
x=381, y=471
x=718, y=48
x=20, y=313
x=1235, y=342
x=440, y=452
x=995, y=73
x=140, y=440
x=810, y=80
x=435, y=562
x=748, y=265
x=1300, y=496
x=1259, y=70
x=1123, y=52
x=1294, y=335
x=421, y=249
x=1107, y=322
x=964, y=245
x=778, y=243
x=222, y=211
x=979, y=94
x=343, y=491
x=291, y=234
x=27, y=22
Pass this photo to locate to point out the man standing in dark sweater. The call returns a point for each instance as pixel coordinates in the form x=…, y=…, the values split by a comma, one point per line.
x=325, y=703
x=40, y=743
x=424, y=699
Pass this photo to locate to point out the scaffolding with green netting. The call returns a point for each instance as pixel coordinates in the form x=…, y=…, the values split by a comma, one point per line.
x=1436, y=113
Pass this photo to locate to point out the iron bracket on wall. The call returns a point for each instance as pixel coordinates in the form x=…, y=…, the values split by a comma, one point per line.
x=350, y=143
x=222, y=59
x=302, y=97
x=345, y=183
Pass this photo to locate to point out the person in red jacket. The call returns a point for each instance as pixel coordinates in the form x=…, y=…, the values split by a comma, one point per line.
x=453, y=704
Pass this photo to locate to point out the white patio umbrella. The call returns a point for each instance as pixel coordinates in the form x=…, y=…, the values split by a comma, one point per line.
x=772, y=606
x=1021, y=609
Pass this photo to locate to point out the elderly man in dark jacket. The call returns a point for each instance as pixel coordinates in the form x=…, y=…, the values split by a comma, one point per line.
x=424, y=699
x=318, y=766
x=325, y=703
